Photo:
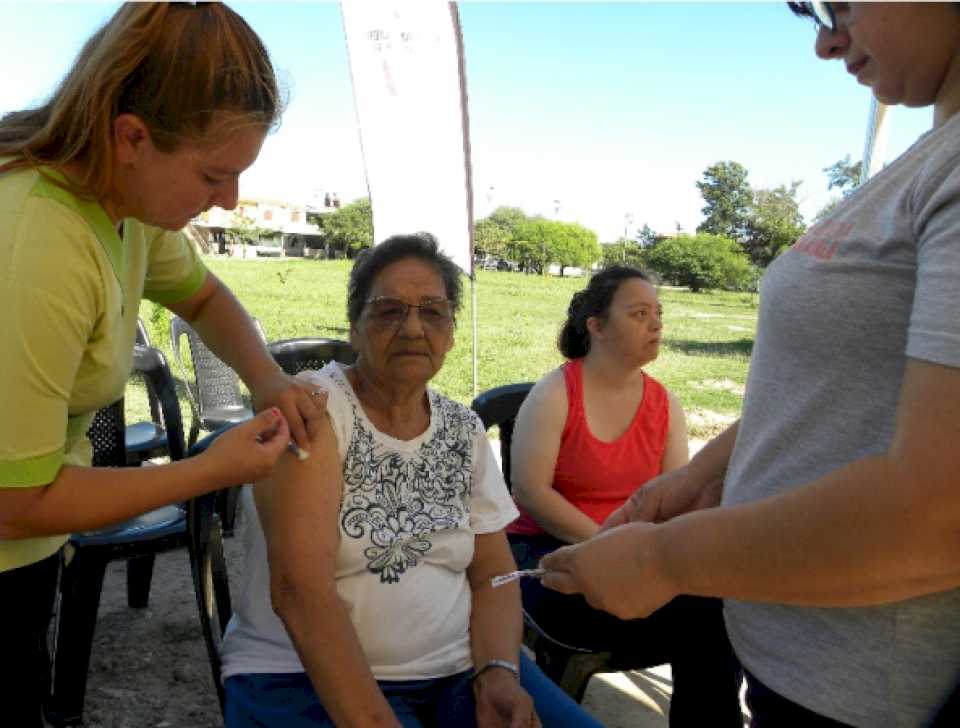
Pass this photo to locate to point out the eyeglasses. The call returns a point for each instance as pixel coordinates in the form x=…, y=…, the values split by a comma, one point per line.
x=386, y=312
x=822, y=13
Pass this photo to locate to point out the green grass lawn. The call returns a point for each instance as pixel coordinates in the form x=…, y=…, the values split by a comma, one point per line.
x=707, y=336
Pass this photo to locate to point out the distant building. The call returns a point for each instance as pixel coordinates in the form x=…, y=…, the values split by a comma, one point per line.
x=286, y=229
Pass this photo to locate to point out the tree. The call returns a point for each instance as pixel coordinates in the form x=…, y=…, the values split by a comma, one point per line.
x=844, y=175
x=351, y=226
x=647, y=237
x=493, y=233
x=615, y=252
x=702, y=261
x=245, y=230
x=827, y=209
x=574, y=246
x=539, y=242
x=533, y=244
x=774, y=223
x=727, y=196
x=508, y=218
x=490, y=237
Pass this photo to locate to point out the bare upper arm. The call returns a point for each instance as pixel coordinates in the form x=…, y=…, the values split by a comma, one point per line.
x=536, y=435
x=189, y=308
x=676, y=454
x=298, y=507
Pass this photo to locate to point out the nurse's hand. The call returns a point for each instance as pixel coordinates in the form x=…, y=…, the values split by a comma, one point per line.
x=664, y=497
x=247, y=453
x=298, y=400
x=617, y=571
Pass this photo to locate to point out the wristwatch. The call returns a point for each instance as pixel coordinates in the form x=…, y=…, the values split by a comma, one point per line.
x=505, y=664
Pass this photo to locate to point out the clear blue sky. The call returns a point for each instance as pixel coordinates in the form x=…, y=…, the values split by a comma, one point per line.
x=608, y=108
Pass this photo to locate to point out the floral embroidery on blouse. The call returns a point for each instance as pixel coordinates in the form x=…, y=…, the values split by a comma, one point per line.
x=397, y=500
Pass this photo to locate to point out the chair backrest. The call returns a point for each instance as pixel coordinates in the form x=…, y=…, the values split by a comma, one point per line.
x=142, y=338
x=152, y=364
x=216, y=386
x=107, y=435
x=499, y=406
x=296, y=355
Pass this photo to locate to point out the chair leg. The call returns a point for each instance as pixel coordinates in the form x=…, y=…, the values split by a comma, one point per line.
x=218, y=572
x=227, y=503
x=194, y=430
x=552, y=666
x=139, y=576
x=571, y=671
x=576, y=675
x=209, y=580
x=80, y=584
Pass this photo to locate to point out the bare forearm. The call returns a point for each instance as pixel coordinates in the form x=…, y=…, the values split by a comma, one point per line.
x=330, y=651
x=496, y=624
x=557, y=516
x=868, y=533
x=496, y=621
x=84, y=499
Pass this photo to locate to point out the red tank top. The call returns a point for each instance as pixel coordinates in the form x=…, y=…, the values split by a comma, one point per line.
x=596, y=476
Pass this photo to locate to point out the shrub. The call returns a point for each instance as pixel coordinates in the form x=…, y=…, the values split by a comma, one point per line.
x=701, y=262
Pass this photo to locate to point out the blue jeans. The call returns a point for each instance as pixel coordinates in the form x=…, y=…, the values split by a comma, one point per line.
x=287, y=700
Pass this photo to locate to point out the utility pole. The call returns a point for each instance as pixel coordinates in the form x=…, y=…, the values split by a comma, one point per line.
x=627, y=221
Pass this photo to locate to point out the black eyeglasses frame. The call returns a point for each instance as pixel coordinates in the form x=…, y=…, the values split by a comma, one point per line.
x=441, y=323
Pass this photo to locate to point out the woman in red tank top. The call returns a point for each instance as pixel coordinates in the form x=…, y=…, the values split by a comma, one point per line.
x=597, y=428
x=588, y=435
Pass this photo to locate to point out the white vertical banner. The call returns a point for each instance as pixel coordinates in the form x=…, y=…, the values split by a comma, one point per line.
x=406, y=61
x=875, y=143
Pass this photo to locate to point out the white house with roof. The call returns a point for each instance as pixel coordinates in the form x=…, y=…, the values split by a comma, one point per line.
x=281, y=228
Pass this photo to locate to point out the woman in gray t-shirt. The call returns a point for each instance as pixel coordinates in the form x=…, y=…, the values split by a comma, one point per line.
x=836, y=544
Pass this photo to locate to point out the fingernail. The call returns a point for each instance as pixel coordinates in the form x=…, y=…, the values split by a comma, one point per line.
x=275, y=411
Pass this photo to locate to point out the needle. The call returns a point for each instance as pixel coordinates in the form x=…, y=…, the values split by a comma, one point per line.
x=514, y=575
x=301, y=454
x=292, y=447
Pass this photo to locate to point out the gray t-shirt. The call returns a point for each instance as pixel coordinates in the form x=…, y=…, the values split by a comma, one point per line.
x=875, y=283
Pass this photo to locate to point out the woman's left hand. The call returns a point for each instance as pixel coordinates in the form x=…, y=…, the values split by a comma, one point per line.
x=502, y=703
x=300, y=402
x=617, y=571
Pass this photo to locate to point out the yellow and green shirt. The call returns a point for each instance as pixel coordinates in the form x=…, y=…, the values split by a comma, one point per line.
x=70, y=291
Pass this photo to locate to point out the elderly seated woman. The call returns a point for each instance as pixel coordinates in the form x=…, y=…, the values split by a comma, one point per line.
x=366, y=596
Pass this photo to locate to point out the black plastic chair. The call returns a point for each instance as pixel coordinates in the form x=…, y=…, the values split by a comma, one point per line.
x=569, y=667
x=214, y=389
x=147, y=439
x=297, y=355
x=137, y=540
